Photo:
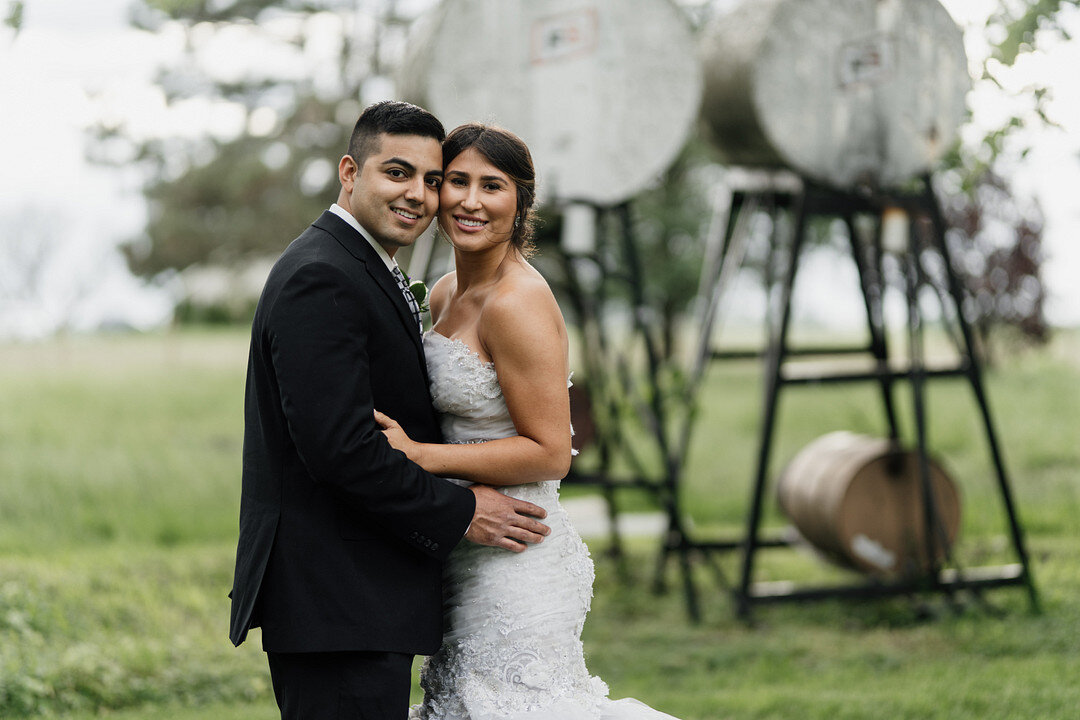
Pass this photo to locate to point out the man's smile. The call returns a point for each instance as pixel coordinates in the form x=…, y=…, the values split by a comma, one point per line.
x=407, y=214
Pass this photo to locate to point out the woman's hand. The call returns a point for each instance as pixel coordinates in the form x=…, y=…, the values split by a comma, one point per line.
x=397, y=437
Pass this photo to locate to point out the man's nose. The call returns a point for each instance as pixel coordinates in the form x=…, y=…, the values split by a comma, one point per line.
x=414, y=190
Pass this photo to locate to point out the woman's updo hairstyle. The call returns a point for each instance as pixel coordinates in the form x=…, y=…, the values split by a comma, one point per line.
x=510, y=155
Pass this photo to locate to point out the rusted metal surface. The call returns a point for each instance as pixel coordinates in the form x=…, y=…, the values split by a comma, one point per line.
x=846, y=92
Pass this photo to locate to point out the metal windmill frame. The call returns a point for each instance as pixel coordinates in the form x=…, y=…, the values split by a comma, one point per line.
x=588, y=279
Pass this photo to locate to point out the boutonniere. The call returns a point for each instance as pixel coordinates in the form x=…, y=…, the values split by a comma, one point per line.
x=420, y=292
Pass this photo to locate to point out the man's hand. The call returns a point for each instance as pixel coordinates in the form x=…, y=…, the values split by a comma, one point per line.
x=505, y=522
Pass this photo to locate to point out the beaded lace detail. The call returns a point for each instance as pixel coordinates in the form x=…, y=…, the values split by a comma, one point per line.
x=476, y=381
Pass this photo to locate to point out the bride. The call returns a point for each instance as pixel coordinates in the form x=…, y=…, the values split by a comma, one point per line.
x=497, y=358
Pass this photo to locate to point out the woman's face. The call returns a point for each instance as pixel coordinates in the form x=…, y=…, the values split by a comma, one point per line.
x=477, y=203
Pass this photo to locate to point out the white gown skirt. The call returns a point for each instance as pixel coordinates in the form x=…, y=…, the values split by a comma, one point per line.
x=512, y=649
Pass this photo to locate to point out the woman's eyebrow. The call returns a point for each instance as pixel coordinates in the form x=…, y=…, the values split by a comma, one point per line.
x=483, y=178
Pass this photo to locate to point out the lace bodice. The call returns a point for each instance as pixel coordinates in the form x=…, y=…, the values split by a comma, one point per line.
x=512, y=621
x=465, y=390
x=466, y=393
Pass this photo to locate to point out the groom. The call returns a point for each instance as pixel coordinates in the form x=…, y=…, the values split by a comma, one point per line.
x=341, y=537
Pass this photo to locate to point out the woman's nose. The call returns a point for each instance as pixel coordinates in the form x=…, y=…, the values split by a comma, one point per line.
x=471, y=201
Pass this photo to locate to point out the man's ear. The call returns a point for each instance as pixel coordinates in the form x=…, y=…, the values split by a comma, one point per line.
x=347, y=172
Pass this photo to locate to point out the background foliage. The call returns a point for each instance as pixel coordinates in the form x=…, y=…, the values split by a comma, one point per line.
x=225, y=202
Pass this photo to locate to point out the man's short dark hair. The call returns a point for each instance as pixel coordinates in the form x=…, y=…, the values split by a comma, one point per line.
x=394, y=118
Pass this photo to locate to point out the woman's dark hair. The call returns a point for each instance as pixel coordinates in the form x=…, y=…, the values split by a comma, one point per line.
x=510, y=155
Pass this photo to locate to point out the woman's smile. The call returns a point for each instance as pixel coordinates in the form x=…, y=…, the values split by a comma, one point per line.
x=477, y=203
x=470, y=224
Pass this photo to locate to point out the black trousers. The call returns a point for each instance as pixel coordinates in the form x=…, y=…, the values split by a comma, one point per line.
x=342, y=685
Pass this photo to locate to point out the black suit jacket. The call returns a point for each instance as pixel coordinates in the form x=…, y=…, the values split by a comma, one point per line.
x=341, y=537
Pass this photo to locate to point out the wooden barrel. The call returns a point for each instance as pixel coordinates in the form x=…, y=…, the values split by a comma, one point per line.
x=848, y=92
x=858, y=500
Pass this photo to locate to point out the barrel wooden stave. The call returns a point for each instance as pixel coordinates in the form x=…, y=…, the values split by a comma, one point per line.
x=858, y=500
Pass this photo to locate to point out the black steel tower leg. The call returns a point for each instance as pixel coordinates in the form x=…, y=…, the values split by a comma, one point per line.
x=676, y=540
x=974, y=375
x=773, y=362
x=872, y=291
x=933, y=532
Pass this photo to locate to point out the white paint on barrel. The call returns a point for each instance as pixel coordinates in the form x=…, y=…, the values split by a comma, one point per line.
x=847, y=92
x=604, y=93
x=873, y=552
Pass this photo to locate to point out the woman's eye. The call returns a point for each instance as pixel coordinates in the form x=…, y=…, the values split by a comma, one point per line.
x=493, y=187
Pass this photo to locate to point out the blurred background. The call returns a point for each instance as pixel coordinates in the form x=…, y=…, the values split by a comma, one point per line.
x=193, y=130
x=159, y=154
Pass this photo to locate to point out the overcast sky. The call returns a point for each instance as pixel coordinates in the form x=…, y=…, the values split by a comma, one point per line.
x=76, y=60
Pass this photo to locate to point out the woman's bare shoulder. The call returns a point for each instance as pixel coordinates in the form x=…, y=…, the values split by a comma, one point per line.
x=440, y=293
x=522, y=290
x=522, y=304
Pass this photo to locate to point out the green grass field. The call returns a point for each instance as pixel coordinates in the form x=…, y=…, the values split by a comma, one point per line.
x=120, y=459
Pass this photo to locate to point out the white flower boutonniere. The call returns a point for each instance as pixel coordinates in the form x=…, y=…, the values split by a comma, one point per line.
x=420, y=292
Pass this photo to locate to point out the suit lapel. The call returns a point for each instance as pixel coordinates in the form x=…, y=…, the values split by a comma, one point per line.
x=360, y=249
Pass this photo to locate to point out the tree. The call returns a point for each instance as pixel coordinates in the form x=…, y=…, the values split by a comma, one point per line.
x=233, y=208
x=15, y=15
x=1021, y=27
x=227, y=199
x=997, y=236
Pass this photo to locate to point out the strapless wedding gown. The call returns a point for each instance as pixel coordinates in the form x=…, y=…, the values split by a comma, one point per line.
x=512, y=648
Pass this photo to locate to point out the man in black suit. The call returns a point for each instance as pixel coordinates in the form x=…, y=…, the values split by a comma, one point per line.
x=341, y=537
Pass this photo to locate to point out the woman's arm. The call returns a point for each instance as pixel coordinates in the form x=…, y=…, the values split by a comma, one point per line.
x=522, y=330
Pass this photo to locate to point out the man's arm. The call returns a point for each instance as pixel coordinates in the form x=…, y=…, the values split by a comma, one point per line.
x=317, y=333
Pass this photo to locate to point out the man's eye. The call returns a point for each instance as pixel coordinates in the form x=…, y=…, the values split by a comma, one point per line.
x=396, y=173
x=435, y=182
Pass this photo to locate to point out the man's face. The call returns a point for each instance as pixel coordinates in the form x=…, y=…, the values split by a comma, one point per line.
x=395, y=195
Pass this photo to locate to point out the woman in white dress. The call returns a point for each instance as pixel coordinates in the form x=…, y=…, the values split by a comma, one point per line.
x=497, y=357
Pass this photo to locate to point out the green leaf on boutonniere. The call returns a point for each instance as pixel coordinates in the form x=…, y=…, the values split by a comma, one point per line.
x=420, y=292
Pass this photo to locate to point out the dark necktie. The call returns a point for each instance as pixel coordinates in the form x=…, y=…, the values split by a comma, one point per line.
x=409, y=297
